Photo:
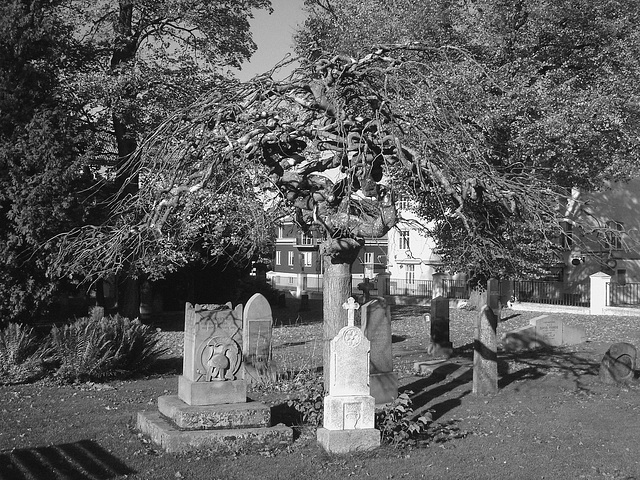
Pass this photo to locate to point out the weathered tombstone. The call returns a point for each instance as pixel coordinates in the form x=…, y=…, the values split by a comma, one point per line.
x=211, y=409
x=257, y=322
x=366, y=287
x=493, y=297
x=619, y=363
x=376, y=325
x=439, y=328
x=485, y=353
x=212, y=355
x=349, y=409
x=543, y=331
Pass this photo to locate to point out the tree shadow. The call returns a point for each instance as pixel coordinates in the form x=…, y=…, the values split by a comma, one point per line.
x=513, y=367
x=83, y=460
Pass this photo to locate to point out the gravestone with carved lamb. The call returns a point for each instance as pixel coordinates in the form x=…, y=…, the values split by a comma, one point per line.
x=211, y=409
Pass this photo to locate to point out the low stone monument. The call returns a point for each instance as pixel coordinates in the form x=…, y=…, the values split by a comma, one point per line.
x=618, y=364
x=543, y=331
x=349, y=408
x=257, y=322
x=376, y=325
x=211, y=409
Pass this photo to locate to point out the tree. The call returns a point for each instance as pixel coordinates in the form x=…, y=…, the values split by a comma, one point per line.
x=44, y=188
x=322, y=146
x=146, y=58
x=546, y=87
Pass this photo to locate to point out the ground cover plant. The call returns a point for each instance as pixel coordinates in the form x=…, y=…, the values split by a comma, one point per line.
x=552, y=417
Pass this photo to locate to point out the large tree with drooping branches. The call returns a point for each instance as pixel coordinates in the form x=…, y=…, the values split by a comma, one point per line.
x=328, y=145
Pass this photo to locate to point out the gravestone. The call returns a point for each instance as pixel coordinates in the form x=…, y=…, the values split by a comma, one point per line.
x=439, y=328
x=618, y=364
x=211, y=370
x=349, y=409
x=366, y=287
x=543, y=331
x=211, y=410
x=257, y=323
x=493, y=297
x=485, y=353
x=376, y=325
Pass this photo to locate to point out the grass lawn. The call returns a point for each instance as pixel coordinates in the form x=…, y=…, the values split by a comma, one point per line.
x=552, y=417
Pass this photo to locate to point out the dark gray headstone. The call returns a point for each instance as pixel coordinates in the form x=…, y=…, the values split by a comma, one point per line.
x=376, y=325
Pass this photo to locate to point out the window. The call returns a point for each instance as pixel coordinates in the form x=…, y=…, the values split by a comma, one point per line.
x=291, y=280
x=368, y=258
x=411, y=273
x=308, y=259
x=404, y=240
x=567, y=235
x=290, y=258
x=621, y=277
x=278, y=257
x=306, y=239
x=614, y=235
x=280, y=231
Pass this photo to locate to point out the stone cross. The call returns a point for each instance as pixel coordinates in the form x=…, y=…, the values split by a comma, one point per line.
x=351, y=306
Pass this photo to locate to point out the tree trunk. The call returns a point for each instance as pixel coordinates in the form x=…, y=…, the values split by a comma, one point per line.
x=335, y=291
x=124, y=121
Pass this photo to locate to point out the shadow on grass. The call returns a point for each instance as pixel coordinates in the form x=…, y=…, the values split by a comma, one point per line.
x=71, y=461
x=521, y=366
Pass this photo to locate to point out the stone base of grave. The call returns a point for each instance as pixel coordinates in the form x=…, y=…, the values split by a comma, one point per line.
x=201, y=393
x=384, y=387
x=346, y=441
x=217, y=417
x=167, y=435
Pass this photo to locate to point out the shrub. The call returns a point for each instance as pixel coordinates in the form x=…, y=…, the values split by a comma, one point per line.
x=21, y=355
x=310, y=403
x=397, y=423
x=91, y=349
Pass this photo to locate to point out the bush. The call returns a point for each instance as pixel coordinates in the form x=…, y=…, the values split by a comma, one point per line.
x=21, y=354
x=310, y=404
x=397, y=424
x=91, y=349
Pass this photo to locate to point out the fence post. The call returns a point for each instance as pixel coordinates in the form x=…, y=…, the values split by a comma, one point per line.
x=598, y=290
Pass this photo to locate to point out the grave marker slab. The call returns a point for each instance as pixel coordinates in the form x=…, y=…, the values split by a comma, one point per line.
x=256, y=338
x=376, y=325
x=542, y=331
x=211, y=372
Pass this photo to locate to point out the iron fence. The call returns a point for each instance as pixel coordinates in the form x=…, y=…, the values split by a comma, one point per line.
x=555, y=293
x=623, y=295
x=412, y=288
x=458, y=289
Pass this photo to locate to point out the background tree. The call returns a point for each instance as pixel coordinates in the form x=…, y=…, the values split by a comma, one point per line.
x=148, y=58
x=44, y=188
x=545, y=87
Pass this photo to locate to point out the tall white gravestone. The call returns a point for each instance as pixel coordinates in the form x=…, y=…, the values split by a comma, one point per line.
x=349, y=408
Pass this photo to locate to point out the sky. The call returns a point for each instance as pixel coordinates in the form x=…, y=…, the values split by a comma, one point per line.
x=274, y=36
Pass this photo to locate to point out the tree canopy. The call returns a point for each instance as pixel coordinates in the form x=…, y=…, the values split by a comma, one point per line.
x=546, y=89
x=82, y=83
